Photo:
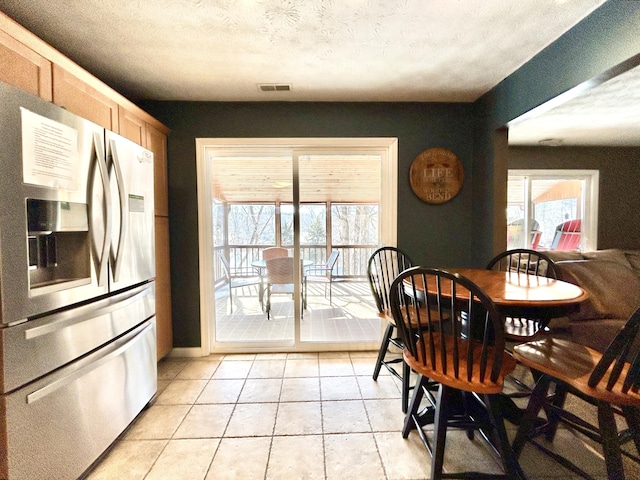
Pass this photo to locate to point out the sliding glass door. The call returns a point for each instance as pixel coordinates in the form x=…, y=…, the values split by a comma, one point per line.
x=310, y=199
x=253, y=197
x=346, y=221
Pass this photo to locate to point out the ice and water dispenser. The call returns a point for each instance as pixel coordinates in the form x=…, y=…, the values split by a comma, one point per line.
x=58, y=245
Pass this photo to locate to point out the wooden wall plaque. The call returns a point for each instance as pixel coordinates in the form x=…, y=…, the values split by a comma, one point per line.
x=436, y=175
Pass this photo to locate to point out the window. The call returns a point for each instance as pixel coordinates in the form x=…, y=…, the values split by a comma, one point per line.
x=552, y=209
x=313, y=224
x=354, y=224
x=252, y=224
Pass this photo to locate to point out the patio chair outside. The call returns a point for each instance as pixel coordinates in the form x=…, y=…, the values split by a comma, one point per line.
x=568, y=235
x=273, y=252
x=323, y=273
x=239, y=277
x=280, y=280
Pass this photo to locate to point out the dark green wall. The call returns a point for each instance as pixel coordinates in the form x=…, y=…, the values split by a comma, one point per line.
x=437, y=235
x=454, y=234
x=606, y=38
x=619, y=200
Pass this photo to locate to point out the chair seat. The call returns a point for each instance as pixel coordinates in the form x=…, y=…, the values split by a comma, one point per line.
x=572, y=364
x=318, y=278
x=282, y=288
x=245, y=281
x=608, y=381
x=523, y=329
x=459, y=381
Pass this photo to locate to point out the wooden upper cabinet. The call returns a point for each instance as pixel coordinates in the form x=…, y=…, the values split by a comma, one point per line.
x=157, y=143
x=132, y=127
x=23, y=68
x=80, y=98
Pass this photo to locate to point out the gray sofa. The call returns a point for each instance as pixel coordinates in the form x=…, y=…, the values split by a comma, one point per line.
x=612, y=277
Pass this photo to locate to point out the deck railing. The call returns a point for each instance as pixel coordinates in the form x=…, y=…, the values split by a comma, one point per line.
x=351, y=263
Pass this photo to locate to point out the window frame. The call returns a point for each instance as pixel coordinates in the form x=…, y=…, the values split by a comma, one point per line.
x=590, y=196
x=386, y=147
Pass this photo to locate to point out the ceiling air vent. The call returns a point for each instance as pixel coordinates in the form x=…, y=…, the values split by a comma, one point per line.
x=274, y=87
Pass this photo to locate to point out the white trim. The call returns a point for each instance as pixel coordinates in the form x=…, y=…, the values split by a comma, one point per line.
x=387, y=147
x=205, y=249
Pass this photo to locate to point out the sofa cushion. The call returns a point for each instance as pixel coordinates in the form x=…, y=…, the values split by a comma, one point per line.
x=596, y=334
x=614, y=289
x=611, y=255
x=633, y=257
x=561, y=255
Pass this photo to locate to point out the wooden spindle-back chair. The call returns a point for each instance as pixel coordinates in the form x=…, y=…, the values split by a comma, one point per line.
x=453, y=335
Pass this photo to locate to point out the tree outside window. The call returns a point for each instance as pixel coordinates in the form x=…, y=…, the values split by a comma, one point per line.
x=354, y=224
x=252, y=224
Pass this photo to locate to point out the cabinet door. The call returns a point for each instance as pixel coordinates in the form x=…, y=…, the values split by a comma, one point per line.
x=132, y=127
x=164, y=328
x=82, y=99
x=157, y=143
x=23, y=68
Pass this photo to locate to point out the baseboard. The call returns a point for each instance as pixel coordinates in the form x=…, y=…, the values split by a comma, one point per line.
x=188, y=352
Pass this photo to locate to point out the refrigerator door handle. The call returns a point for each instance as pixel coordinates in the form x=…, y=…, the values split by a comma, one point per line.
x=58, y=321
x=117, y=256
x=104, y=176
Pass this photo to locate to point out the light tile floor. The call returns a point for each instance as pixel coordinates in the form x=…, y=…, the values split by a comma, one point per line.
x=292, y=416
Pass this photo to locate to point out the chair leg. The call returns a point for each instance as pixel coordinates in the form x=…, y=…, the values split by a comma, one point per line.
x=304, y=292
x=261, y=294
x=536, y=402
x=230, y=298
x=467, y=398
x=558, y=399
x=414, y=406
x=610, y=442
x=268, y=305
x=384, y=345
x=440, y=431
x=406, y=378
x=632, y=416
x=509, y=459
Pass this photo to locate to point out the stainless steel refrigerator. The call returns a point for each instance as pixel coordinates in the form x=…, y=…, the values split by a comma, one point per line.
x=77, y=268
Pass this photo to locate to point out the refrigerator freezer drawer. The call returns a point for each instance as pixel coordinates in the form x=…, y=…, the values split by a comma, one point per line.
x=37, y=347
x=58, y=426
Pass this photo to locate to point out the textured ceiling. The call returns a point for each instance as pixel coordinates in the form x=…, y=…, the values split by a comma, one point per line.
x=331, y=50
x=327, y=50
x=608, y=114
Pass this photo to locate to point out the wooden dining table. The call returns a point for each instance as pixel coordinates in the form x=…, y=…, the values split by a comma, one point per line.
x=515, y=295
x=523, y=295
